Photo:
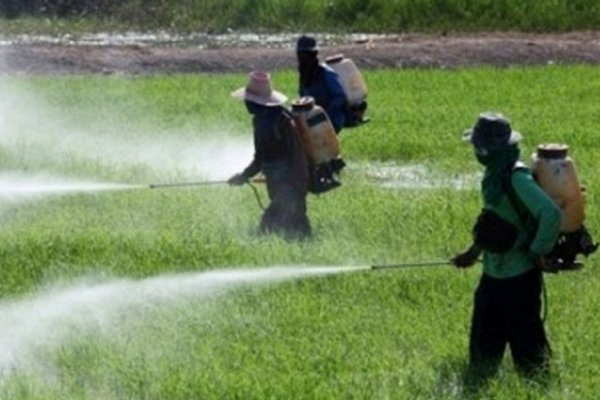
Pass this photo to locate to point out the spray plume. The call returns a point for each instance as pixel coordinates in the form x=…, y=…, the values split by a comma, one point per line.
x=45, y=319
x=17, y=187
x=37, y=133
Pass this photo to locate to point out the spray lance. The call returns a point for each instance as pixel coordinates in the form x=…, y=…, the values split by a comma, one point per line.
x=410, y=265
x=211, y=183
x=199, y=183
x=182, y=184
x=552, y=266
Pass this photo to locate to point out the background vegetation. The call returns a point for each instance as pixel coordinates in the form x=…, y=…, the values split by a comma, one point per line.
x=365, y=335
x=313, y=15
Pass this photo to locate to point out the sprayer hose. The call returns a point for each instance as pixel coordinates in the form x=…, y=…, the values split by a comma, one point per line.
x=258, y=200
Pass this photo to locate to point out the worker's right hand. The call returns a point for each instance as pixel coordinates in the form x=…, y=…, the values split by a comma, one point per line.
x=547, y=264
x=237, y=180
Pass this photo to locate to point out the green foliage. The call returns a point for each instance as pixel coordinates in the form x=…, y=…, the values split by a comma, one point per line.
x=387, y=335
x=316, y=15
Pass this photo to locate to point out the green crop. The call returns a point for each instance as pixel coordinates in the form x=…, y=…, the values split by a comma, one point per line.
x=409, y=194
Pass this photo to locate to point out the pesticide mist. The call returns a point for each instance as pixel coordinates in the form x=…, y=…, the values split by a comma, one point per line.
x=44, y=320
x=18, y=186
x=39, y=136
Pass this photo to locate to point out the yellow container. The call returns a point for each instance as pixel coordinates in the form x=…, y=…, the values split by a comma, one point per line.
x=351, y=78
x=317, y=132
x=555, y=172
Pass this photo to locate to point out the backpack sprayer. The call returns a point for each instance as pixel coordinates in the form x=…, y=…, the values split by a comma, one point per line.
x=555, y=172
x=354, y=87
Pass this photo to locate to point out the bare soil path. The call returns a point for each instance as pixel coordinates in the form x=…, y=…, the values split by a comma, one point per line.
x=391, y=51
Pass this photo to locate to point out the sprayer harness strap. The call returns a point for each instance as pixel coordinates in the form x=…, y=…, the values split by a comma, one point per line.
x=524, y=216
x=515, y=202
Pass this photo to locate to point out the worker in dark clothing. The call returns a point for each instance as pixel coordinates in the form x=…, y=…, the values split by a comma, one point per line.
x=279, y=155
x=516, y=230
x=321, y=82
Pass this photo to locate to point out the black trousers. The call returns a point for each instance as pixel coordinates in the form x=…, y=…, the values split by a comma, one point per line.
x=286, y=213
x=507, y=312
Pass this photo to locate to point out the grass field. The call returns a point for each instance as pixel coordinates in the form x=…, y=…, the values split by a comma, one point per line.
x=111, y=290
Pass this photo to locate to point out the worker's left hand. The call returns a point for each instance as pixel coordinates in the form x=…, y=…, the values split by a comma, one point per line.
x=467, y=258
x=237, y=180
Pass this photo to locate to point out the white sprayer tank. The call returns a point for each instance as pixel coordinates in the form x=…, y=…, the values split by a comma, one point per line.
x=555, y=172
x=317, y=132
x=350, y=77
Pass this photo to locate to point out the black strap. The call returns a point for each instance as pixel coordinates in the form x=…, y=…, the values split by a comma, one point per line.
x=516, y=203
x=524, y=216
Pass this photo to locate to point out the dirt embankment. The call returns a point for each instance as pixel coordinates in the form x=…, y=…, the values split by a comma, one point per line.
x=396, y=51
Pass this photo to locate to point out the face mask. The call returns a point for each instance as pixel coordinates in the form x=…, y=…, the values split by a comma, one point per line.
x=482, y=158
x=481, y=151
x=307, y=62
x=498, y=155
x=253, y=108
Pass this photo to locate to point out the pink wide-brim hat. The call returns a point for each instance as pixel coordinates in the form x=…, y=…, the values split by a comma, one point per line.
x=259, y=90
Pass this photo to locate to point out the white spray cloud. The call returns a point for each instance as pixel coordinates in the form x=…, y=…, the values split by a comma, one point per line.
x=164, y=155
x=45, y=319
x=16, y=186
x=32, y=130
x=206, y=158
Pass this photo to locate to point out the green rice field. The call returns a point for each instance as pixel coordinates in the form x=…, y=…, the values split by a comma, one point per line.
x=112, y=290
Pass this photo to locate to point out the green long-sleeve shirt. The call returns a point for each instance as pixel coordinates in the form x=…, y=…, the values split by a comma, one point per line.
x=537, y=234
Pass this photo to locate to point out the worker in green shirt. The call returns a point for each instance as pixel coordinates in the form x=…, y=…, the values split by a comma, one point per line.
x=517, y=228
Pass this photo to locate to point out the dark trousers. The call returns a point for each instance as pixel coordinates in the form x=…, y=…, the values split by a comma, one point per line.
x=507, y=311
x=286, y=213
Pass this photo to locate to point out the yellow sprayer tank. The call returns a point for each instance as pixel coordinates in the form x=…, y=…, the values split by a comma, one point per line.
x=555, y=172
x=351, y=78
x=318, y=134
